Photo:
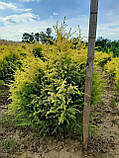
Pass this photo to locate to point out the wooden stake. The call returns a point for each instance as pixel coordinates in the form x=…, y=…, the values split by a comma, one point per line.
x=89, y=71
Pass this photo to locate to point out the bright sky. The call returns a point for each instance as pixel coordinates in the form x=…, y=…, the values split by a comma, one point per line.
x=19, y=16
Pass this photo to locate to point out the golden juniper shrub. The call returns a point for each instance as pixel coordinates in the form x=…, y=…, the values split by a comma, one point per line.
x=112, y=67
x=112, y=71
x=102, y=58
x=97, y=85
x=117, y=81
x=11, y=58
x=48, y=93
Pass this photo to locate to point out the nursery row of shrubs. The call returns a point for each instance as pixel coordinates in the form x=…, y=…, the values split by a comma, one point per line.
x=47, y=82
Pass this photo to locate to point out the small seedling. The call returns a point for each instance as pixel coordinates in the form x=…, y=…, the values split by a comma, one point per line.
x=9, y=146
x=113, y=103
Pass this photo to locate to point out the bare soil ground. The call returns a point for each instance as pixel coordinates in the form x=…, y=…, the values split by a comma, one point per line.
x=24, y=143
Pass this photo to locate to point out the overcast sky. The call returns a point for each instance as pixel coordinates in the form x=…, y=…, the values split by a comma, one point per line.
x=19, y=16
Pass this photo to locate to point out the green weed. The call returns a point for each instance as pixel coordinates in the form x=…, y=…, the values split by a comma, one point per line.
x=9, y=146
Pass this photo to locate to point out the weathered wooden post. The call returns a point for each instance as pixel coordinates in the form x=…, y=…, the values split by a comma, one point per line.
x=89, y=71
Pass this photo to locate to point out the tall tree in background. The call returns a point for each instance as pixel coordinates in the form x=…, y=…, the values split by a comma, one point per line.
x=48, y=32
x=89, y=71
x=43, y=37
x=106, y=45
x=37, y=36
x=28, y=38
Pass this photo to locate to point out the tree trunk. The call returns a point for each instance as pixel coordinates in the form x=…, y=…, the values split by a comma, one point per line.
x=89, y=71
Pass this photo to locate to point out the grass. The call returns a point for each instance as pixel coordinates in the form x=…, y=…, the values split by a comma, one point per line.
x=9, y=145
x=113, y=103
